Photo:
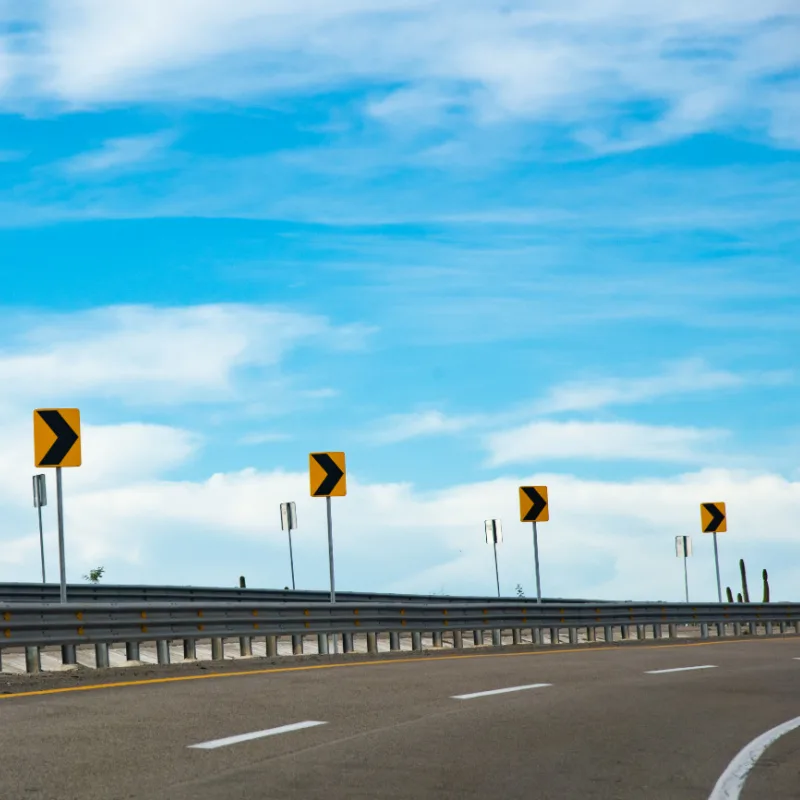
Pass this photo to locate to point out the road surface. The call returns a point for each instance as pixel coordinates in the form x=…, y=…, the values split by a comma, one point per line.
x=660, y=722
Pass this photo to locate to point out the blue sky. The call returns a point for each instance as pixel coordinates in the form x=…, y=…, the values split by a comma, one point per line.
x=472, y=244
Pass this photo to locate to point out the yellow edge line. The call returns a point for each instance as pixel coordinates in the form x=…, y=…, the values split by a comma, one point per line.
x=376, y=663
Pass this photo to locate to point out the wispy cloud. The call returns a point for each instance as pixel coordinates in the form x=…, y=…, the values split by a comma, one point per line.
x=402, y=427
x=264, y=438
x=580, y=67
x=601, y=441
x=118, y=155
x=693, y=376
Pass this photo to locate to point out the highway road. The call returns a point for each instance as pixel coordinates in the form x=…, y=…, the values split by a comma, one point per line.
x=660, y=722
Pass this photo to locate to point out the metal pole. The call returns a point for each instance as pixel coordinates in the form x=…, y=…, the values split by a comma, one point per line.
x=291, y=557
x=536, y=561
x=41, y=543
x=330, y=561
x=330, y=549
x=496, y=571
x=62, y=563
x=685, y=575
x=716, y=563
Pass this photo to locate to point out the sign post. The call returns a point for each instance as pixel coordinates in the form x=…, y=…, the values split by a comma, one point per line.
x=683, y=549
x=289, y=523
x=713, y=519
x=327, y=474
x=494, y=534
x=39, y=500
x=533, y=508
x=57, y=443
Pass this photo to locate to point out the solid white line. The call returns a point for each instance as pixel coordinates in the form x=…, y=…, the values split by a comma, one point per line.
x=245, y=737
x=679, y=669
x=732, y=780
x=500, y=691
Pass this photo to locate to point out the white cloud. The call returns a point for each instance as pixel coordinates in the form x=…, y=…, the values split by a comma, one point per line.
x=119, y=154
x=539, y=441
x=157, y=355
x=702, y=65
x=605, y=539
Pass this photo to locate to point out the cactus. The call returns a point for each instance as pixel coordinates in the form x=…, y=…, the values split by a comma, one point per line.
x=742, y=569
x=738, y=597
x=729, y=593
x=766, y=586
x=242, y=582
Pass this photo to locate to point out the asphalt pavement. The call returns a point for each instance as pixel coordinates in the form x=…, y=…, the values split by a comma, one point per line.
x=659, y=722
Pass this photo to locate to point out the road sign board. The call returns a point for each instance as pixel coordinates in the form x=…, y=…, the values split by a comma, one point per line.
x=713, y=518
x=683, y=546
x=57, y=437
x=39, y=491
x=288, y=517
x=327, y=474
x=533, y=504
x=494, y=531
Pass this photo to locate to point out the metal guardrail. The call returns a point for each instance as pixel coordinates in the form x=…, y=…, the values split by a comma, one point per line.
x=33, y=626
x=120, y=593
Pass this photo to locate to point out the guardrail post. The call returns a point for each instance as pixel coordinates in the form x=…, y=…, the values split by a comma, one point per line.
x=416, y=640
x=245, y=646
x=347, y=642
x=162, y=651
x=372, y=642
x=737, y=628
x=704, y=630
x=720, y=629
x=394, y=640
x=516, y=636
x=554, y=638
x=673, y=631
x=782, y=628
x=641, y=633
x=590, y=634
x=497, y=638
x=101, y=655
x=297, y=644
x=477, y=638
x=437, y=638
x=68, y=655
x=608, y=633
x=217, y=649
x=656, y=630
x=189, y=650
x=624, y=632
x=573, y=635
x=768, y=626
x=458, y=640
x=322, y=644
x=536, y=635
x=132, y=651
x=33, y=662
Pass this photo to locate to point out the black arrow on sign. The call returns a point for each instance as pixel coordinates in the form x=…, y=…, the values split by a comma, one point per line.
x=332, y=477
x=65, y=438
x=539, y=504
x=717, y=518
